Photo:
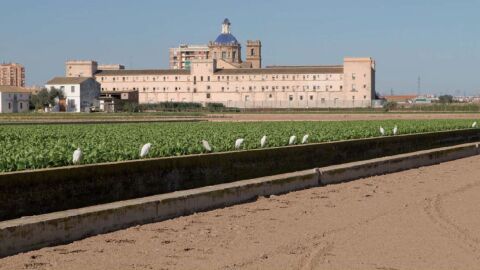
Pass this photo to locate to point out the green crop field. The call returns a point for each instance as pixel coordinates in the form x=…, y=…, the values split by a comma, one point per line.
x=42, y=146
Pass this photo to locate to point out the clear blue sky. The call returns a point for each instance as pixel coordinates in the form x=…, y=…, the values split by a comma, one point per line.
x=437, y=40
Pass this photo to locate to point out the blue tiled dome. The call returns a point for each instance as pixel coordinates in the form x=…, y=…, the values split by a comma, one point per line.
x=226, y=39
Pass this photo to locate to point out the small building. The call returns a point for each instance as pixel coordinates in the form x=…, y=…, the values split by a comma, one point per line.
x=113, y=101
x=80, y=93
x=14, y=99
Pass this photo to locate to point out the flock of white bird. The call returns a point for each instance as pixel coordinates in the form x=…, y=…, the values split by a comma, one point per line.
x=77, y=154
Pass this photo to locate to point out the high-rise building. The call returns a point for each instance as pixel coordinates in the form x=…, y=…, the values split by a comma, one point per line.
x=12, y=74
x=182, y=56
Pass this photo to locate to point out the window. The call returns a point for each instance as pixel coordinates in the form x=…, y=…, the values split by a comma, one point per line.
x=9, y=105
x=224, y=55
x=322, y=100
x=233, y=55
x=208, y=95
x=341, y=87
x=353, y=76
x=208, y=87
x=252, y=51
x=364, y=97
x=270, y=96
x=311, y=97
x=354, y=88
x=21, y=105
x=365, y=86
x=353, y=97
x=301, y=97
x=290, y=97
x=72, y=89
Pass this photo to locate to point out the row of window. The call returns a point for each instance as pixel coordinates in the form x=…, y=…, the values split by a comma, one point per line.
x=250, y=88
x=325, y=77
x=290, y=97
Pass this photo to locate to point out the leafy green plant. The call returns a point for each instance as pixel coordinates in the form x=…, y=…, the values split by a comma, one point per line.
x=43, y=146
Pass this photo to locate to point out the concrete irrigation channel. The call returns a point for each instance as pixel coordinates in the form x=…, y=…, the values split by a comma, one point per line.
x=60, y=205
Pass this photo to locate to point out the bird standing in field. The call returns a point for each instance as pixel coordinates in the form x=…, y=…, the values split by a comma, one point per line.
x=474, y=125
x=395, y=130
x=206, y=146
x=77, y=156
x=263, y=141
x=238, y=143
x=382, y=131
x=145, y=150
x=305, y=139
x=292, y=140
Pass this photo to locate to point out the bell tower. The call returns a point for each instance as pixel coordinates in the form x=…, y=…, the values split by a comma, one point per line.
x=254, y=53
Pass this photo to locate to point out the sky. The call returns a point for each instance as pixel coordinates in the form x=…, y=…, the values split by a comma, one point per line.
x=438, y=41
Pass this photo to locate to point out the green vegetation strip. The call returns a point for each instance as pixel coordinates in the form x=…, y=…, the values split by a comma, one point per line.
x=43, y=146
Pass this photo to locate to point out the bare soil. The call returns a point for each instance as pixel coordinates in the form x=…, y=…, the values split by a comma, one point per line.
x=339, y=116
x=426, y=218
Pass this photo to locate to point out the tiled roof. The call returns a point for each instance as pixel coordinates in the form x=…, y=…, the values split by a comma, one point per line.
x=68, y=80
x=13, y=89
x=127, y=72
x=284, y=70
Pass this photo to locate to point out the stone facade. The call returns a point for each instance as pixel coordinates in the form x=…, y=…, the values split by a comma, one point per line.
x=349, y=85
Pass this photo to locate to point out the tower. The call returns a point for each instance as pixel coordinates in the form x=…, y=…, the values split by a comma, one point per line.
x=225, y=47
x=254, y=53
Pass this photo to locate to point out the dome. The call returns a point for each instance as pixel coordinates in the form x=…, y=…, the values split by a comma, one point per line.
x=227, y=39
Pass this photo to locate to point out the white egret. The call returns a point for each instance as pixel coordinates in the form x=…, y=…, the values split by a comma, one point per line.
x=206, y=145
x=395, y=130
x=382, y=131
x=474, y=125
x=292, y=140
x=263, y=141
x=305, y=139
x=238, y=143
x=77, y=156
x=145, y=150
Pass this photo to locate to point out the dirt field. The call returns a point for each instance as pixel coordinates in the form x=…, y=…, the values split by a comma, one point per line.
x=427, y=218
x=340, y=116
x=153, y=117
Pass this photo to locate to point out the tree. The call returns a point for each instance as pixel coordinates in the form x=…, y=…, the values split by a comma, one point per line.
x=44, y=98
x=445, y=99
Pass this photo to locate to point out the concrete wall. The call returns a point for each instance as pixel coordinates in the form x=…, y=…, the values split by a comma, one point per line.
x=35, y=232
x=42, y=191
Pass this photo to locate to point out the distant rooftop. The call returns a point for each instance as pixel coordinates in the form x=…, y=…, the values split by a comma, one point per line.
x=67, y=80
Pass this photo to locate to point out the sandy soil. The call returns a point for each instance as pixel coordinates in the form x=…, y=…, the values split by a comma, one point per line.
x=340, y=116
x=427, y=218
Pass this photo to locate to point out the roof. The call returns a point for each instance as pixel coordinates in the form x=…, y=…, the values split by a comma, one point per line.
x=127, y=72
x=226, y=38
x=68, y=80
x=284, y=70
x=13, y=89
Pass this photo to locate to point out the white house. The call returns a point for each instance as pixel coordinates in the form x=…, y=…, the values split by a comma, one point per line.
x=14, y=99
x=79, y=92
